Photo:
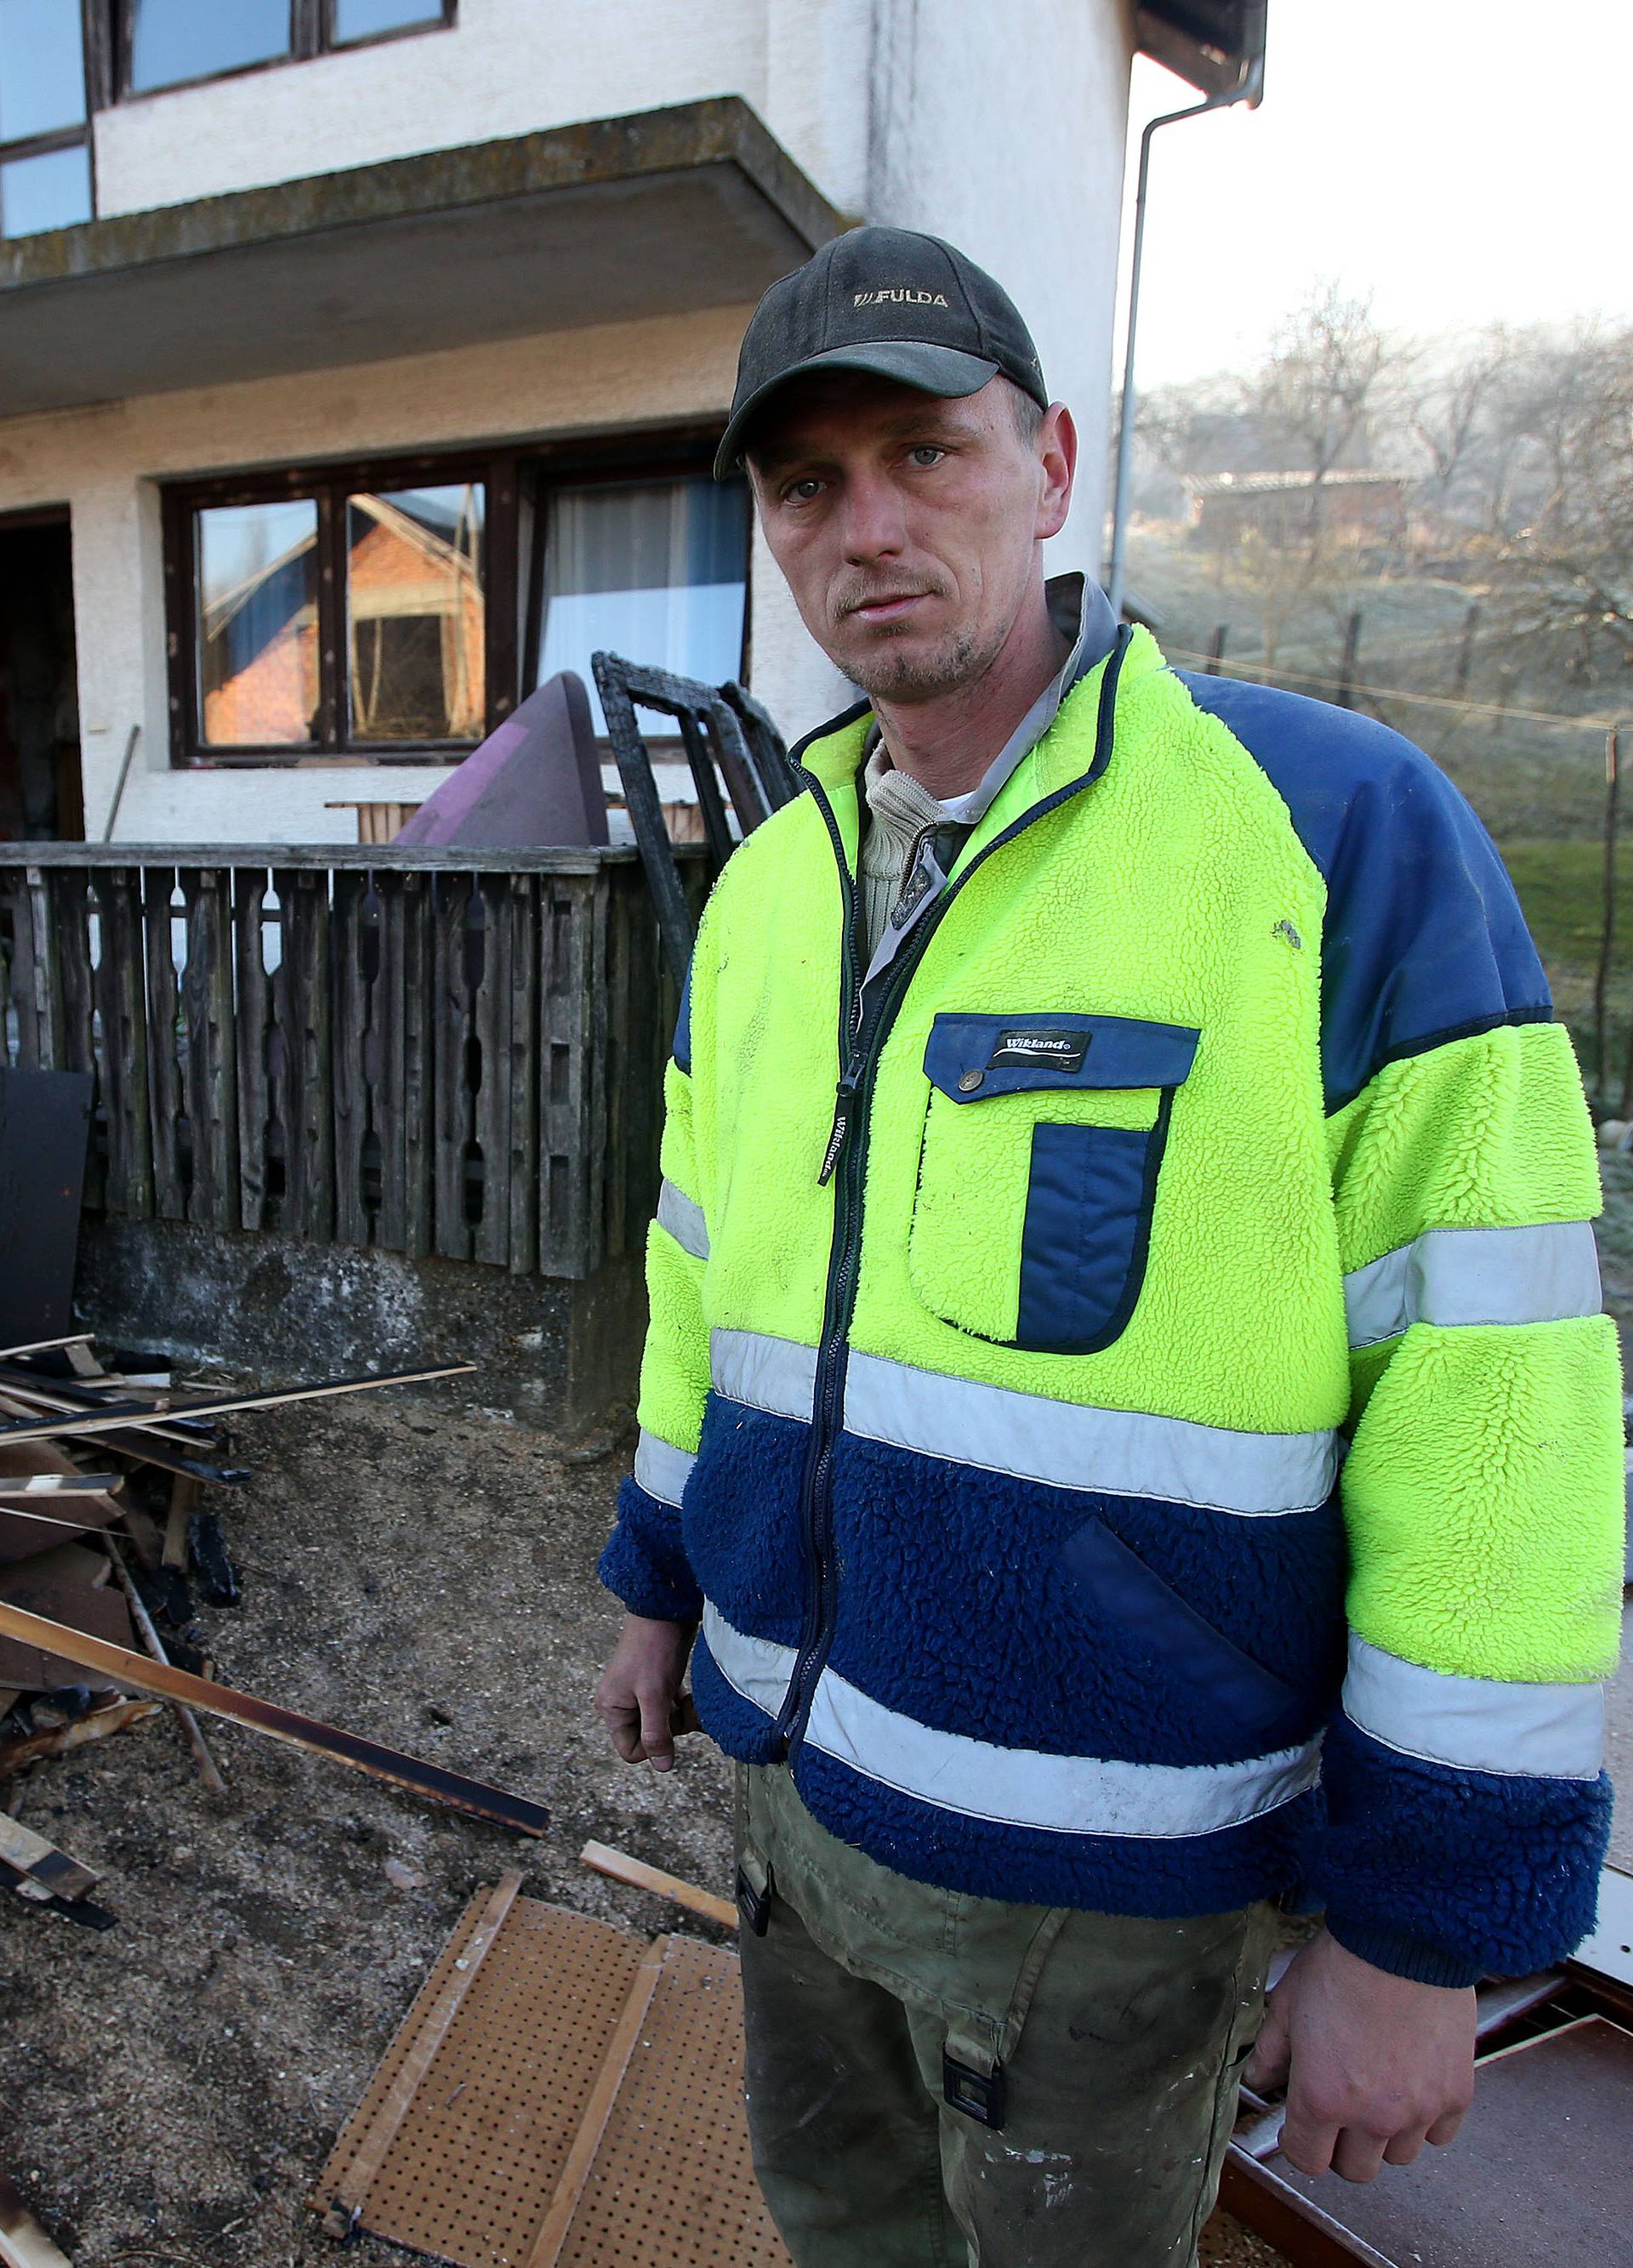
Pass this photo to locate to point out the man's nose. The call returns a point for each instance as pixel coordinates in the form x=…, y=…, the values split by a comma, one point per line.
x=873, y=527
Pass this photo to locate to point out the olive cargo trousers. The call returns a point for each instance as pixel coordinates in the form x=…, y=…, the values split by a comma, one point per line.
x=936, y=2080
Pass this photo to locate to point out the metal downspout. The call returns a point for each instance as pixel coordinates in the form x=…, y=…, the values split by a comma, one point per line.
x=1250, y=90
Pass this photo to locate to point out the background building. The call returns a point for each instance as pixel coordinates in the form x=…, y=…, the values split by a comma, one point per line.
x=360, y=360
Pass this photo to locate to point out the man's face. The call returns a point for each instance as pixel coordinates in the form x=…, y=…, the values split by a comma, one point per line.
x=907, y=525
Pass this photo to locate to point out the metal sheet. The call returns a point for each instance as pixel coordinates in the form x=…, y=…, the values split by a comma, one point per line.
x=476, y=2159
x=1610, y=1948
x=1538, y=2177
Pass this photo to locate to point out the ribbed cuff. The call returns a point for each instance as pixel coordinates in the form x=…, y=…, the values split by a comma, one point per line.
x=1402, y=1956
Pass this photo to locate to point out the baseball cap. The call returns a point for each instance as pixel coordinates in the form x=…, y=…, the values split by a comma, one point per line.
x=888, y=300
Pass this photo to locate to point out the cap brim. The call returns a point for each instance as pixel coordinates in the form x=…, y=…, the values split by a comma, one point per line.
x=911, y=362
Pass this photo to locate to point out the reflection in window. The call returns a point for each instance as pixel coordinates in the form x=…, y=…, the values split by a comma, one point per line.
x=49, y=191
x=42, y=72
x=258, y=624
x=654, y=569
x=365, y=20
x=172, y=40
x=416, y=616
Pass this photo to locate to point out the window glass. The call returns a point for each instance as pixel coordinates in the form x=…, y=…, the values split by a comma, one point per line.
x=49, y=191
x=655, y=571
x=416, y=616
x=258, y=624
x=362, y=20
x=175, y=39
x=42, y=71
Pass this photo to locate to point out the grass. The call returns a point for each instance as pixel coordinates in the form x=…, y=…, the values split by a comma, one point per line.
x=1561, y=887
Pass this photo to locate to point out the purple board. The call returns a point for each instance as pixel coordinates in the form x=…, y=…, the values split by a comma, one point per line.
x=534, y=782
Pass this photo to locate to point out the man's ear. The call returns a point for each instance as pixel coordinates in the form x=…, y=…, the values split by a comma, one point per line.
x=1057, y=453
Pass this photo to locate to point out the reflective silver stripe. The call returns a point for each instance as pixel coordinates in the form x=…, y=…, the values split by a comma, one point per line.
x=1068, y=1445
x=1475, y=1724
x=1014, y=1788
x=684, y=1221
x=1065, y=1444
x=775, y=1375
x=1475, y=1275
x=661, y=1469
x=757, y=1668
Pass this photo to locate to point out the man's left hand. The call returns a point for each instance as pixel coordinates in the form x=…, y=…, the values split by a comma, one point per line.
x=1375, y=2065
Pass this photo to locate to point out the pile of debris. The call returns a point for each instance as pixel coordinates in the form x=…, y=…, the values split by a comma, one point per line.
x=103, y=1545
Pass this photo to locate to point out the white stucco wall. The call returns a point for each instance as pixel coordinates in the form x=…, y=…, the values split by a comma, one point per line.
x=1002, y=128
x=105, y=465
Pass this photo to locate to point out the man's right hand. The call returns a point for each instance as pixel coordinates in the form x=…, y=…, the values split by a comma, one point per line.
x=642, y=1696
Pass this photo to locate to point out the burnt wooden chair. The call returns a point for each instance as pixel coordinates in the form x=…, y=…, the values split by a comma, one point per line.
x=733, y=749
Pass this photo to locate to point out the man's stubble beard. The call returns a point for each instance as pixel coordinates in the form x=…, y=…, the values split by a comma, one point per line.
x=887, y=674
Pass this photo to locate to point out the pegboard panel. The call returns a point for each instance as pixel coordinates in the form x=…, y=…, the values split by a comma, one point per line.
x=672, y=2185
x=476, y=2157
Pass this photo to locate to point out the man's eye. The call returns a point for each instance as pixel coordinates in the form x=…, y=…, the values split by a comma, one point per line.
x=928, y=452
x=801, y=491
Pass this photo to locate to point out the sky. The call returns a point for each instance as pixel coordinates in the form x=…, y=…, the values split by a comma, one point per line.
x=1466, y=161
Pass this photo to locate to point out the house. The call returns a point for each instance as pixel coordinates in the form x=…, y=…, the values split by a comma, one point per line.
x=1352, y=507
x=360, y=360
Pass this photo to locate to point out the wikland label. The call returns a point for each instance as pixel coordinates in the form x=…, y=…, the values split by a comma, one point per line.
x=1056, y=1050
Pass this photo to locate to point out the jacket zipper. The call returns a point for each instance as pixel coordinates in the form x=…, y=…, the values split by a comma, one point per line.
x=861, y=1038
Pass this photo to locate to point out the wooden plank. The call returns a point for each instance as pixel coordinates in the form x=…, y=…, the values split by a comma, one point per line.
x=623, y=1868
x=564, y=984
x=254, y=992
x=308, y=1096
x=210, y=1075
x=67, y=897
x=418, y=1066
x=133, y=1414
x=57, y=1874
x=522, y=1068
x=451, y=1030
x=600, y=1045
x=553, y=2232
x=351, y=1016
x=490, y=1104
x=391, y=1228
x=332, y=857
x=23, y=2242
x=209, y=1769
x=374, y=2145
x=122, y=1003
x=30, y=978
x=134, y=1674
x=163, y=1078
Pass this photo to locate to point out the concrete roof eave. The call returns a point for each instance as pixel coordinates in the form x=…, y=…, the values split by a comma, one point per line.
x=658, y=212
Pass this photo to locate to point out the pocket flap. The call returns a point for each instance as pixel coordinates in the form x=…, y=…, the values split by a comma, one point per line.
x=971, y=1057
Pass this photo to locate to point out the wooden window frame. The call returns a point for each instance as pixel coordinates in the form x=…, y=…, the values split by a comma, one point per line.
x=516, y=476
x=311, y=33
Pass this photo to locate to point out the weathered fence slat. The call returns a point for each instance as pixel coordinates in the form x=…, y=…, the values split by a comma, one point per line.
x=350, y=941
x=521, y=1069
x=210, y=1073
x=254, y=991
x=301, y=993
x=164, y=1082
x=491, y=1103
x=121, y=1006
x=455, y=901
x=462, y=1058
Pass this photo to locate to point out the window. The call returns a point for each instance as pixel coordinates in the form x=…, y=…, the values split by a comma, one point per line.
x=394, y=611
x=172, y=42
x=45, y=157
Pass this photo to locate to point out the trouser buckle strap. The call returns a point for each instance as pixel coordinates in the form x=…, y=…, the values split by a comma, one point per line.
x=755, y=1889
x=973, y=2079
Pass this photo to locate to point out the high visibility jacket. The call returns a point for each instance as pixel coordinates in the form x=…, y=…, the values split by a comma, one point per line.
x=1149, y=1440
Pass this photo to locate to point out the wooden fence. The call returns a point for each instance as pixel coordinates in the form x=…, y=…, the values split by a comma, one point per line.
x=433, y=1052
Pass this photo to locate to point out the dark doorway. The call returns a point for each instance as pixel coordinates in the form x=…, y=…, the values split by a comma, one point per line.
x=42, y=799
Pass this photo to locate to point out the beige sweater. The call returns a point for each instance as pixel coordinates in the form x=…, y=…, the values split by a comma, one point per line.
x=900, y=810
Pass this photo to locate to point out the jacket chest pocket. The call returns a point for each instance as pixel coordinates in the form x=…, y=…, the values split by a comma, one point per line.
x=1037, y=1169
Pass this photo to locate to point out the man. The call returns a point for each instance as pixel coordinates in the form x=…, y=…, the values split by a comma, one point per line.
x=1126, y=1396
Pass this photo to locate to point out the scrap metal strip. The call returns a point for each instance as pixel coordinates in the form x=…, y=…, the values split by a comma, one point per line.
x=167, y=1683
x=53, y=1871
